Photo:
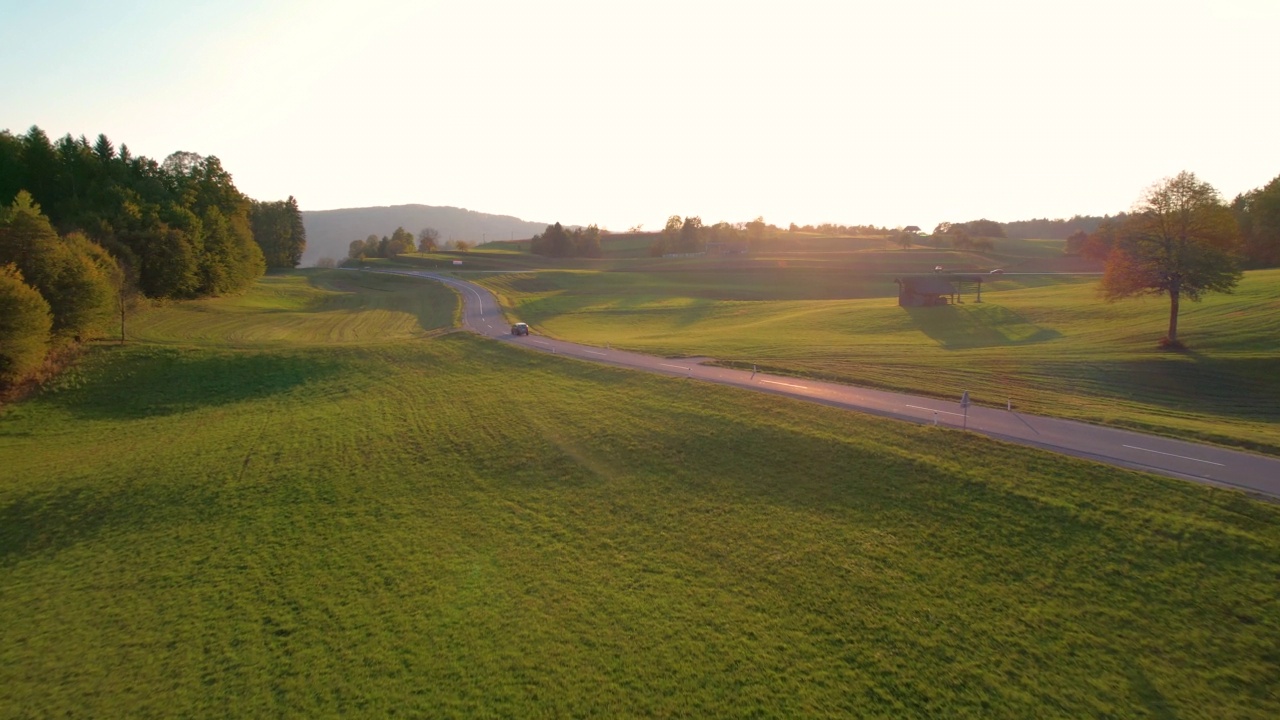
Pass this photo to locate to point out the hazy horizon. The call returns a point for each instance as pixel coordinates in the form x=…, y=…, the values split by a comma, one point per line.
x=624, y=114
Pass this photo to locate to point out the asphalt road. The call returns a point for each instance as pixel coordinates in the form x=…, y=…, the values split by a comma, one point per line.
x=1164, y=456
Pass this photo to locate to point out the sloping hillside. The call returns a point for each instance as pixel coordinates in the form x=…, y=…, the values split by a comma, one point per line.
x=330, y=232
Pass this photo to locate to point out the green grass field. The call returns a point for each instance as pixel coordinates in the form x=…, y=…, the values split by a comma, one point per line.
x=1047, y=342
x=818, y=254
x=315, y=308
x=239, y=516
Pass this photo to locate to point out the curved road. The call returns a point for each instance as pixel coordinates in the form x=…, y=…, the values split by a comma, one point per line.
x=1173, y=458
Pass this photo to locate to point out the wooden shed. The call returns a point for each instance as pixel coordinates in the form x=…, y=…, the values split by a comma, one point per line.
x=931, y=290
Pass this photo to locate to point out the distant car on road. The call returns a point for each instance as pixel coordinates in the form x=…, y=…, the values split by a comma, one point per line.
x=520, y=329
x=937, y=268
x=998, y=271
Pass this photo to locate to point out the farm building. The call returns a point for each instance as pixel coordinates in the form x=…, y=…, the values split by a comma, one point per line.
x=931, y=290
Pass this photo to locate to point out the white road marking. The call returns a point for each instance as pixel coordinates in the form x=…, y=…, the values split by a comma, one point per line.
x=678, y=367
x=594, y=352
x=775, y=382
x=539, y=342
x=944, y=412
x=1180, y=457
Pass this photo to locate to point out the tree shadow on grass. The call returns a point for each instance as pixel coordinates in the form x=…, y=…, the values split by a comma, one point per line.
x=961, y=327
x=1245, y=388
x=162, y=382
x=52, y=522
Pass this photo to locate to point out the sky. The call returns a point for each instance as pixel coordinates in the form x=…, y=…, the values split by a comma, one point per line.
x=910, y=112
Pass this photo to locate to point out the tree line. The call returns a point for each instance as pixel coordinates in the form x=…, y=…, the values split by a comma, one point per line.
x=684, y=235
x=973, y=235
x=399, y=242
x=1257, y=213
x=689, y=235
x=838, y=230
x=556, y=241
x=1046, y=229
x=87, y=228
x=181, y=223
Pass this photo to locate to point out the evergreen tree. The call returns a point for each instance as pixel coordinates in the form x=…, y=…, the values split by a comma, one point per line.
x=103, y=148
x=11, y=166
x=278, y=231
x=40, y=166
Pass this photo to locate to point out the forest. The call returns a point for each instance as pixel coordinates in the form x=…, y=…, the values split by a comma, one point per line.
x=87, y=229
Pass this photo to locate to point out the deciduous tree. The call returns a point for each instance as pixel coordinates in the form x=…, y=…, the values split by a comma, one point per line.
x=669, y=240
x=73, y=275
x=400, y=242
x=25, y=322
x=586, y=242
x=757, y=233
x=1076, y=241
x=427, y=239
x=690, y=235
x=1180, y=242
x=168, y=263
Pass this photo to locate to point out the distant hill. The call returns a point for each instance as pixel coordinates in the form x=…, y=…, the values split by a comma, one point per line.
x=330, y=232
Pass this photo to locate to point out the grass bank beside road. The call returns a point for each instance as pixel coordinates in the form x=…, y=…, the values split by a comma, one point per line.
x=315, y=307
x=236, y=520
x=1048, y=343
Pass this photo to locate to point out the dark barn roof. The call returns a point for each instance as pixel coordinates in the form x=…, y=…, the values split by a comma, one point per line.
x=928, y=284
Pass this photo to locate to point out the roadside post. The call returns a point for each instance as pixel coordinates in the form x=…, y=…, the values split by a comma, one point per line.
x=964, y=403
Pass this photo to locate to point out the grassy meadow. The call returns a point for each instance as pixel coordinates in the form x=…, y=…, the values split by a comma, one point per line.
x=313, y=308
x=818, y=254
x=308, y=501
x=1047, y=342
